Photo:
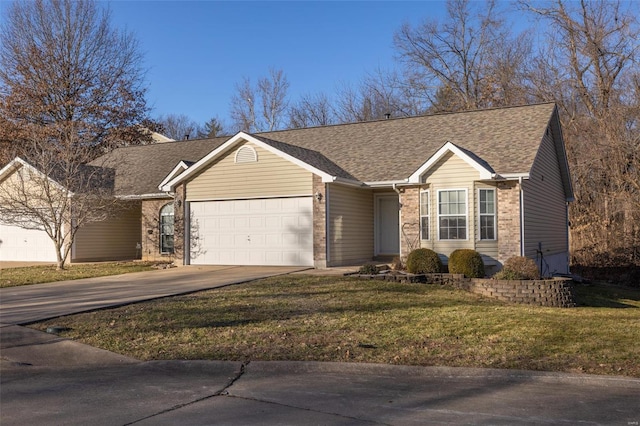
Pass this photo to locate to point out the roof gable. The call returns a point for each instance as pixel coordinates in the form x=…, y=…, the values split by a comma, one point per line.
x=472, y=160
x=179, y=168
x=290, y=153
x=17, y=164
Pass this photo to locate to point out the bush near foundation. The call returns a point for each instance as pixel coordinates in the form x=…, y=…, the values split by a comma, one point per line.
x=424, y=261
x=518, y=268
x=467, y=262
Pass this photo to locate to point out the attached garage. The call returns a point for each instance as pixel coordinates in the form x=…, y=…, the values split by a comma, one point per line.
x=26, y=245
x=269, y=231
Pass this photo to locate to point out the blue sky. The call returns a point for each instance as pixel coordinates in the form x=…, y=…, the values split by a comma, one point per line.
x=196, y=51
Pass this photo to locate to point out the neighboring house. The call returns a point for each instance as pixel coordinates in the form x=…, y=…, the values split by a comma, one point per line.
x=23, y=238
x=496, y=181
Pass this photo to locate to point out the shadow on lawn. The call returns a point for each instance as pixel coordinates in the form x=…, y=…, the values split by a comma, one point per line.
x=600, y=295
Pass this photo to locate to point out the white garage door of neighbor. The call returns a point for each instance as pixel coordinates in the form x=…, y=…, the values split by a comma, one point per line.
x=26, y=245
x=271, y=231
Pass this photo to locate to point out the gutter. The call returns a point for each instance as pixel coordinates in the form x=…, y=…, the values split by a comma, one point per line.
x=145, y=196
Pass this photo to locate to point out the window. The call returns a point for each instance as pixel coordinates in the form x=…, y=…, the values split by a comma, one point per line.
x=487, y=208
x=424, y=215
x=452, y=214
x=166, y=228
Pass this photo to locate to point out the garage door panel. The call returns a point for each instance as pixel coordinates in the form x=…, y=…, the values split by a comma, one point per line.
x=254, y=232
x=19, y=244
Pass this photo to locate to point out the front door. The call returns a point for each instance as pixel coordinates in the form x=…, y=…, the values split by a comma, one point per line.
x=387, y=225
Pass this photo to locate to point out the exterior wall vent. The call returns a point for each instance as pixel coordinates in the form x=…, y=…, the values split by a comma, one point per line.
x=246, y=154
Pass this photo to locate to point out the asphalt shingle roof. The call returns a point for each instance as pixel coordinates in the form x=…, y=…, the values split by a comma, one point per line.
x=505, y=140
x=139, y=169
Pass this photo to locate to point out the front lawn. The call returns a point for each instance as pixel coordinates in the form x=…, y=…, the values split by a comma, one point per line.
x=348, y=319
x=12, y=277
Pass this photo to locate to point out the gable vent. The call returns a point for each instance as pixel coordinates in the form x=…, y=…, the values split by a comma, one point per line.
x=246, y=154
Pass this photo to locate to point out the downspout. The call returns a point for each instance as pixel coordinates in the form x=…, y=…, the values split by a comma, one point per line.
x=327, y=223
x=186, y=233
x=521, y=216
x=395, y=188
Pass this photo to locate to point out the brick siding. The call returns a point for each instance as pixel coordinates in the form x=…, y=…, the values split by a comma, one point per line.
x=151, y=230
x=409, y=220
x=319, y=223
x=508, y=220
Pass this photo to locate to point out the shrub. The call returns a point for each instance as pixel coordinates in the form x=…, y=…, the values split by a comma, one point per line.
x=467, y=262
x=368, y=269
x=519, y=268
x=424, y=261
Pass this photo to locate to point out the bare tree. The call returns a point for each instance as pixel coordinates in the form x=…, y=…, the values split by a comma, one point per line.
x=270, y=93
x=179, y=126
x=71, y=87
x=243, y=107
x=454, y=62
x=592, y=72
x=311, y=110
x=273, y=92
x=379, y=95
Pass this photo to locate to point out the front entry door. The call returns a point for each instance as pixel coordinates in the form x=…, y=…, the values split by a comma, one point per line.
x=387, y=225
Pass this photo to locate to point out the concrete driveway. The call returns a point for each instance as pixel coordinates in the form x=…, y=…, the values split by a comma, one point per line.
x=27, y=304
x=48, y=380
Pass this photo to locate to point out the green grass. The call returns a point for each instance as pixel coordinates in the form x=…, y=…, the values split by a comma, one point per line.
x=354, y=320
x=12, y=277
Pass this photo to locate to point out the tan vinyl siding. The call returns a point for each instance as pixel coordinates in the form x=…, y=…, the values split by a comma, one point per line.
x=112, y=239
x=26, y=181
x=545, y=219
x=449, y=173
x=270, y=176
x=351, y=234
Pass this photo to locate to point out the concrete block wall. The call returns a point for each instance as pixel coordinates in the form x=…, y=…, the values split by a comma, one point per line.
x=553, y=293
x=556, y=292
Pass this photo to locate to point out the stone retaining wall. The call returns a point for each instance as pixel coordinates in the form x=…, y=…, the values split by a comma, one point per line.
x=556, y=292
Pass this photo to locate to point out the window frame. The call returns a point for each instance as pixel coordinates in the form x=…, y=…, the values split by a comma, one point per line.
x=164, y=249
x=493, y=215
x=424, y=215
x=466, y=213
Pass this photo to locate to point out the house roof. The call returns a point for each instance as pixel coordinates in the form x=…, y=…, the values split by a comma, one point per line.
x=139, y=169
x=504, y=140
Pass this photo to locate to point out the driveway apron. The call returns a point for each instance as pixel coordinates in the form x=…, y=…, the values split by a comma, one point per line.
x=28, y=304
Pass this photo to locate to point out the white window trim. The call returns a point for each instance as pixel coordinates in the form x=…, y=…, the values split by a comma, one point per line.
x=466, y=212
x=494, y=214
x=427, y=215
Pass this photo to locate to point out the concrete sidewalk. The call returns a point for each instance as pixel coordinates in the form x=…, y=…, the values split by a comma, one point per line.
x=58, y=382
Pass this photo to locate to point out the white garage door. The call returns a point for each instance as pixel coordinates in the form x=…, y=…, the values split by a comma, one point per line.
x=18, y=244
x=273, y=231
